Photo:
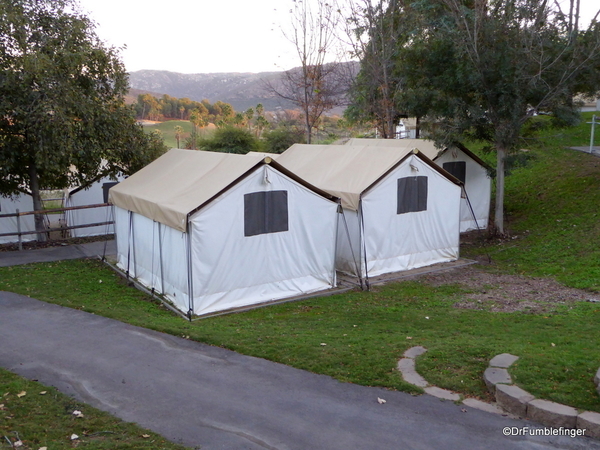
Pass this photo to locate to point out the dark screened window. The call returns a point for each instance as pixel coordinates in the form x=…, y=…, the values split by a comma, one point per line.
x=265, y=212
x=412, y=194
x=457, y=168
x=106, y=187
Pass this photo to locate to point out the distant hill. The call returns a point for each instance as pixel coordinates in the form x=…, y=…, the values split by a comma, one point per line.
x=241, y=90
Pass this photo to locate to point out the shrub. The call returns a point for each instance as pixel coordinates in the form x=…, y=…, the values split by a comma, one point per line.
x=231, y=140
x=280, y=139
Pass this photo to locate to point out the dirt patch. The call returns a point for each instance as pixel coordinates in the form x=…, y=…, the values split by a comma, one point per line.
x=508, y=293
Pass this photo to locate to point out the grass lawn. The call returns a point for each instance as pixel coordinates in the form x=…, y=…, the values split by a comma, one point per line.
x=167, y=130
x=552, y=208
x=40, y=416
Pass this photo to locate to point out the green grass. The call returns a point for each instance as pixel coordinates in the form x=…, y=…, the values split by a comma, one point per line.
x=365, y=332
x=40, y=416
x=553, y=212
x=167, y=130
x=552, y=207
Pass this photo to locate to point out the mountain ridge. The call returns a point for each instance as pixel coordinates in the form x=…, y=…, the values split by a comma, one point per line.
x=242, y=90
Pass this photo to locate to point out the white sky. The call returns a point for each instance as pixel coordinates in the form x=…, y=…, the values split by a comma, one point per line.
x=206, y=36
x=196, y=36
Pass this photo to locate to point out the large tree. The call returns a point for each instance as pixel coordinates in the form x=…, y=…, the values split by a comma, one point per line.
x=63, y=120
x=375, y=30
x=485, y=66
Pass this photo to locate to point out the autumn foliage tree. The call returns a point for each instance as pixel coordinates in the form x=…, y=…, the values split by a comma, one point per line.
x=321, y=81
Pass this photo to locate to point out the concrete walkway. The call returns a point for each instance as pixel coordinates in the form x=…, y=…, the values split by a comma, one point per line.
x=586, y=149
x=205, y=396
x=58, y=253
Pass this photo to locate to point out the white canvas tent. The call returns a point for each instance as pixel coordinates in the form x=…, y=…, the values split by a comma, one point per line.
x=92, y=194
x=460, y=162
x=9, y=205
x=401, y=210
x=216, y=231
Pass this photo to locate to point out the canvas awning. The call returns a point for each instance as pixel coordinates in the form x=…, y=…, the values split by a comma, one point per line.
x=345, y=171
x=182, y=181
x=425, y=146
x=177, y=183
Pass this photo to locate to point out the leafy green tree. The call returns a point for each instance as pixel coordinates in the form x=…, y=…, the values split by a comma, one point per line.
x=62, y=102
x=280, y=139
x=178, y=133
x=260, y=124
x=376, y=31
x=230, y=139
x=482, y=68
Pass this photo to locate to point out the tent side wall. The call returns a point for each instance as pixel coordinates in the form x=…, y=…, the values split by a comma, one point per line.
x=153, y=253
x=232, y=269
x=94, y=194
x=401, y=241
x=24, y=203
x=478, y=186
x=348, y=253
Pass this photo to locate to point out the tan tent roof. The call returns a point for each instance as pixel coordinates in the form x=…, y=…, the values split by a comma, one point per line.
x=425, y=146
x=179, y=182
x=344, y=171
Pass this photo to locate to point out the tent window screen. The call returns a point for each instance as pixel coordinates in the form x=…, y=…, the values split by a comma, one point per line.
x=457, y=168
x=265, y=212
x=106, y=187
x=412, y=194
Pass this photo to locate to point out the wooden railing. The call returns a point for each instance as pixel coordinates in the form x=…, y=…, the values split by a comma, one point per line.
x=48, y=230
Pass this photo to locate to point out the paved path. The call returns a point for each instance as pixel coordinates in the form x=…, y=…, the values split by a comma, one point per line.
x=58, y=253
x=205, y=396
x=595, y=150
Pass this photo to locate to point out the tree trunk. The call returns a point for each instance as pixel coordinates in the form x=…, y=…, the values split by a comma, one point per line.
x=34, y=185
x=499, y=211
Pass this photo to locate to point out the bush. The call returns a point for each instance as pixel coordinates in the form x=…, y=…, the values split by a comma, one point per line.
x=280, y=139
x=231, y=140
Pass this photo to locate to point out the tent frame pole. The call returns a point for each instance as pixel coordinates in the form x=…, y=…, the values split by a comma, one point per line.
x=190, y=312
x=133, y=245
x=110, y=214
x=335, y=246
x=160, y=256
x=361, y=220
x=356, y=264
x=129, y=243
x=470, y=209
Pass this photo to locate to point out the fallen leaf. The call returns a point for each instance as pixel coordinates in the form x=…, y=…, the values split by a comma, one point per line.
x=43, y=392
x=380, y=400
x=74, y=436
x=145, y=436
x=408, y=337
x=553, y=344
x=22, y=394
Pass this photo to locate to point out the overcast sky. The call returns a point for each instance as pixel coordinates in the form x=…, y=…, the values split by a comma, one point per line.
x=196, y=36
x=204, y=36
